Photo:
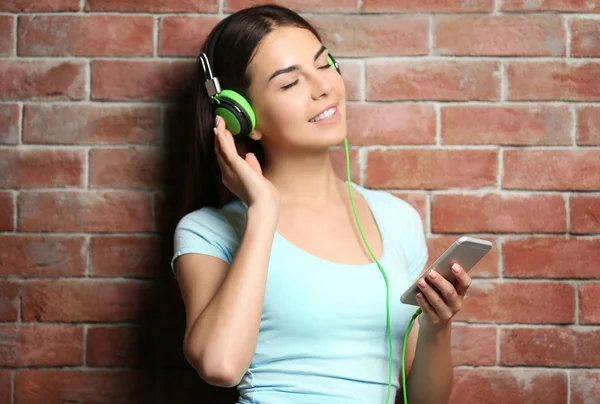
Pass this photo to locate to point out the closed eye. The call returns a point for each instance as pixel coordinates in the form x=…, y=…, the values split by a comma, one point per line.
x=290, y=85
x=296, y=82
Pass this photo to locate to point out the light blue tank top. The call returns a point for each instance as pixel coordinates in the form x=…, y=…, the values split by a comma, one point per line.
x=322, y=337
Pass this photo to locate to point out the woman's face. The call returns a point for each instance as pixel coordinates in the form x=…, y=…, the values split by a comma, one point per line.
x=292, y=83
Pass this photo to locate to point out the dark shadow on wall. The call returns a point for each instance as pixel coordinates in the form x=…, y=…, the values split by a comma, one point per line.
x=175, y=381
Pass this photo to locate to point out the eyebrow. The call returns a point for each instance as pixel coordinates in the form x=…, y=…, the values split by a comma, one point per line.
x=294, y=67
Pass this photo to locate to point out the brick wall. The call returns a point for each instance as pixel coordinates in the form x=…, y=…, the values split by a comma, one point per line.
x=485, y=115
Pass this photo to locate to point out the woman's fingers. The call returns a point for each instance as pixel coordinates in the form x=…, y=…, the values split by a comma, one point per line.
x=226, y=169
x=226, y=138
x=463, y=281
x=435, y=300
x=223, y=143
x=253, y=162
x=446, y=290
x=427, y=308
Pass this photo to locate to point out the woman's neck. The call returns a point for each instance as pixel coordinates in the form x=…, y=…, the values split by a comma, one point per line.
x=306, y=179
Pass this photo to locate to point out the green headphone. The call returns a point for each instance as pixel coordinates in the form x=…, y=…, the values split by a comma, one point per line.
x=235, y=110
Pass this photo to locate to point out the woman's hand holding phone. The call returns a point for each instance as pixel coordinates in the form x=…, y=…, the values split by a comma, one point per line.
x=441, y=290
x=441, y=304
x=243, y=176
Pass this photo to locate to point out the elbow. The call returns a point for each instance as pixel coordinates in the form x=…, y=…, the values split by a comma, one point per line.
x=217, y=371
x=219, y=375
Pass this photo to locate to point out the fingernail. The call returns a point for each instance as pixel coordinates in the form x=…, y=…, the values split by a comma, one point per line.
x=419, y=295
x=455, y=268
x=215, y=131
x=433, y=274
x=422, y=283
x=217, y=119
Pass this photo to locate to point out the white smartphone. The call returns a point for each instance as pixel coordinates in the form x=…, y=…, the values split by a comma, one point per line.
x=466, y=251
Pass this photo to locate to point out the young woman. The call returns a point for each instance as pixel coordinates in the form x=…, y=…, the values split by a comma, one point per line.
x=282, y=297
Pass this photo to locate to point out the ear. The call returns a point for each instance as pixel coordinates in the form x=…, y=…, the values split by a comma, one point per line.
x=256, y=135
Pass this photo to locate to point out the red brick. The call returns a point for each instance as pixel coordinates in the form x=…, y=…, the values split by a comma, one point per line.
x=41, y=345
x=338, y=159
x=126, y=168
x=184, y=36
x=529, y=346
x=155, y=6
x=352, y=73
x=585, y=386
x=550, y=5
x=473, y=346
x=501, y=386
x=110, y=211
x=506, y=35
x=6, y=385
x=40, y=256
x=589, y=304
x=371, y=124
x=584, y=213
x=7, y=38
x=126, y=256
x=453, y=6
x=10, y=122
x=588, y=126
x=519, y=302
x=139, y=80
x=432, y=80
x=498, y=213
x=299, y=6
x=7, y=212
x=550, y=257
x=44, y=80
x=91, y=124
x=374, y=35
x=9, y=300
x=568, y=169
x=76, y=35
x=40, y=5
x=34, y=386
x=86, y=301
x=555, y=80
x=417, y=200
x=585, y=38
x=118, y=346
x=431, y=168
x=510, y=125
x=41, y=168
x=486, y=268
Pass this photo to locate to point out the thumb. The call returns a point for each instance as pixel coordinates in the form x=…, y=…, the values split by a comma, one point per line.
x=253, y=162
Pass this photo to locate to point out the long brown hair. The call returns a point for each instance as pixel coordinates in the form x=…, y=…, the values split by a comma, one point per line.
x=230, y=48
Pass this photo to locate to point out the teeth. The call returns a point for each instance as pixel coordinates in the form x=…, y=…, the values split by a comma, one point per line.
x=325, y=114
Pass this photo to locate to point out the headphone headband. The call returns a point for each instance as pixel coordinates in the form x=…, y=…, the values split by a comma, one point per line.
x=213, y=87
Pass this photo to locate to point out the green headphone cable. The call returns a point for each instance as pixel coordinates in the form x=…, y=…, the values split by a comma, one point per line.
x=387, y=294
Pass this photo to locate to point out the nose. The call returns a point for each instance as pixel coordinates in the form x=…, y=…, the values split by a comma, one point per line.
x=321, y=86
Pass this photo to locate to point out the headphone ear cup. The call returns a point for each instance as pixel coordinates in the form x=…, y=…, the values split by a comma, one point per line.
x=237, y=113
x=333, y=63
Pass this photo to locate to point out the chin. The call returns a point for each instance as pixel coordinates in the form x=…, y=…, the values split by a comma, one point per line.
x=331, y=134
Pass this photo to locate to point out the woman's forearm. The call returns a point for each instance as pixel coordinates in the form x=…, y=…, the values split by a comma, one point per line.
x=431, y=375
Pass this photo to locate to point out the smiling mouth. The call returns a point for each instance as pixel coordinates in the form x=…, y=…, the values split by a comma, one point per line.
x=324, y=115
